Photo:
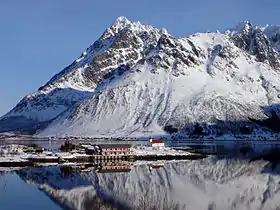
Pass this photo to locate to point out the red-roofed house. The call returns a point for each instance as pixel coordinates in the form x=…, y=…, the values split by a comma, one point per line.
x=157, y=143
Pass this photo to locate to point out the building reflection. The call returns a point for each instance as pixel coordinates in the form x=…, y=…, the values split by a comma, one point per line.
x=107, y=167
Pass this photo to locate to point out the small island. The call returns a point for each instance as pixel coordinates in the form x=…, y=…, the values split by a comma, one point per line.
x=15, y=155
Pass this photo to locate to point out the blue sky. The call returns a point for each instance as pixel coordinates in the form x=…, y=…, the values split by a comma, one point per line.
x=40, y=37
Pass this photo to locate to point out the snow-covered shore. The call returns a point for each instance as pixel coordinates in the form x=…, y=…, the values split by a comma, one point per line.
x=147, y=151
x=19, y=153
x=13, y=153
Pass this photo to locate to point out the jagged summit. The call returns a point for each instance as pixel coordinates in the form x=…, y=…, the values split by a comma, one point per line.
x=164, y=31
x=241, y=26
x=258, y=41
x=246, y=26
x=122, y=23
x=139, y=80
x=122, y=20
x=119, y=24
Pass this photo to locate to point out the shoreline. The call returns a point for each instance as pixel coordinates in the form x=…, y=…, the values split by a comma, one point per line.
x=16, y=155
x=30, y=162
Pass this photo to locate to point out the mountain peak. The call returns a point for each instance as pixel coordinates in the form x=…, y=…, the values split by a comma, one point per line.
x=121, y=22
x=164, y=31
x=241, y=27
x=244, y=25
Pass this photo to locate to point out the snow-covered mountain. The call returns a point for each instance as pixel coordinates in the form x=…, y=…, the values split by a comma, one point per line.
x=136, y=80
x=119, y=48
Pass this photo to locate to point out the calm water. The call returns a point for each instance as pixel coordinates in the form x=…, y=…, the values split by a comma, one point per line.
x=16, y=194
x=202, y=146
x=210, y=183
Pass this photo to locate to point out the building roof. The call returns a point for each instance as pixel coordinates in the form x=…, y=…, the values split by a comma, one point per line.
x=114, y=145
x=156, y=166
x=157, y=141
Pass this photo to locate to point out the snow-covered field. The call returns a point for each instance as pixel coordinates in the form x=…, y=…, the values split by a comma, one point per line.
x=145, y=151
x=13, y=153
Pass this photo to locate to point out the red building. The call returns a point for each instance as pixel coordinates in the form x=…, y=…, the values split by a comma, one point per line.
x=112, y=167
x=108, y=149
x=114, y=149
x=157, y=143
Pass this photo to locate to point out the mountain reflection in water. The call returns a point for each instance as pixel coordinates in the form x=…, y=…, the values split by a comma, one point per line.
x=209, y=183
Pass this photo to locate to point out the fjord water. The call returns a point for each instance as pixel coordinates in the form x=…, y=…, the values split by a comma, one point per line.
x=210, y=183
x=16, y=194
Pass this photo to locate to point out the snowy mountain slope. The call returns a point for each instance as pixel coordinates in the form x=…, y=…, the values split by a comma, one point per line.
x=121, y=45
x=204, y=78
x=135, y=80
x=201, y=184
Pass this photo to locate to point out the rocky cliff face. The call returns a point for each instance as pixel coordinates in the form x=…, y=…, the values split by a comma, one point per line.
x=136, y=80
x=254, y=40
